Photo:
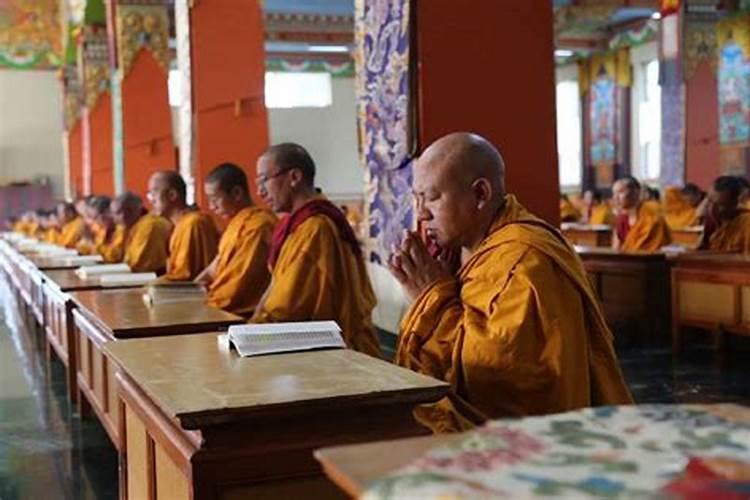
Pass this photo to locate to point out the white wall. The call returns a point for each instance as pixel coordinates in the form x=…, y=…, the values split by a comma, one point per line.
x=330, y=135
x=31, y=132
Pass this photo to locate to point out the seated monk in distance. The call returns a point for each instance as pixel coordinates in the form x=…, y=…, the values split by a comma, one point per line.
x=238, y=276
x=317, y=268
x=518, y=330
x=639, y=226
x=195, y=239
x=146, y=235
x=730, y=231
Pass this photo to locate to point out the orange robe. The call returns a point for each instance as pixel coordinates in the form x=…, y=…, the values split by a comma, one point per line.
x=568, y=212
x=88, y=247
x=517, y=332
x=319, y=277
x=602, y=215
x=147, y=243
x=71, y=233
x=51, y=235
x=732, y=236
x=192, y=247
x=678, y=213
x=242, y=273
x=112, y=249
x=649, y=233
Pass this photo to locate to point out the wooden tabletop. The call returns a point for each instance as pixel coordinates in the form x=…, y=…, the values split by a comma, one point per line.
x=713, y=259
x=50, y=263
x=612, y=254
x=68, y=281
x=197, y=380
x=353, y=467
x=122, y=313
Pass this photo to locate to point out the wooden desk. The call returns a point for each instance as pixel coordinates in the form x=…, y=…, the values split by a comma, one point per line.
x=58, y=318
x=711, y=292
x=634, y=289
x=352, y=467
x=200, y=422
x=102, y=316
x=589, y=236
x=689, y=237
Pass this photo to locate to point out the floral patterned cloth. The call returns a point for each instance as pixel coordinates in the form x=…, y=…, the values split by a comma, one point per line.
x=647, y=451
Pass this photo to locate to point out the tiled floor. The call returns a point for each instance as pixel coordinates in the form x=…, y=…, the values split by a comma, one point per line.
x=47, y=452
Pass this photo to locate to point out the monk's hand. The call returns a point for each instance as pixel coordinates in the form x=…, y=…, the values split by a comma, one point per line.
x=413, y=266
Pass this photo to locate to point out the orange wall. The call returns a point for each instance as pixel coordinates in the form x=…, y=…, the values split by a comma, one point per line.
x=489, y=69
x=100, y=119
x=702, y=129
x=75, y=159
x=147, y=123
x=224, y=130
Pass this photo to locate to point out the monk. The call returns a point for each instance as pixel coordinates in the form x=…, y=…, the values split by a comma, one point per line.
x=597, y=212
x=568, y=211
x=238, y=275
x=517, y=330
x=732, y=228
x=146, y=235
x=195, y=239
x=679, y=209
x=108, y=238
x=317, y=268
x=71, y=225
x=49, y=228
x=638, y=227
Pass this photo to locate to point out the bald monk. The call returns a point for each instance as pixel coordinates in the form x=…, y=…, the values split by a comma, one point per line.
x=49, y=228
x=731, y=231
x=238, y=275
x=517, y=330
x=108, y=237
x=317, y=268
x=639, y=226
x=146, y=235
x=597, y=212
x=71, y=225
x=195, y=239
x=679, y=210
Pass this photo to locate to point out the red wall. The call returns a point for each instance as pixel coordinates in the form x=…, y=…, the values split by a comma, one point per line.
x=489, y=69
x=147, y=123
x=100, y=119
x=702, y=127
x=75, y=159
x=226, y=131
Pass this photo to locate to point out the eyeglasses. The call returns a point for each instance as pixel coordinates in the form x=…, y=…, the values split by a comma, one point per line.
x=263, y=179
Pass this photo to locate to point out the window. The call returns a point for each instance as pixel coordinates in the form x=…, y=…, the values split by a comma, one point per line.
x=298, y=90
x=569, y=134
x=649, y=121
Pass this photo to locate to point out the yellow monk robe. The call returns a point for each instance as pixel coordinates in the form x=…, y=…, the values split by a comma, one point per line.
x=71, y=233
x=51, y=235
x=678, y=213
x=147, y=244
x=568, y=211
x=88, y=247
x=242, y=273
x=732, y=236
x=602, y=215
x=649, y=233
x=21, y=227
x=111, y=249
x=193, y=246
x=518, y=332
x=318, y=277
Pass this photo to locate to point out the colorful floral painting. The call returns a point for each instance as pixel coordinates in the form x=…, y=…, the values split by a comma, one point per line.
x=382, y=62
x=609, y=452
x=734, y=93
x=30, y=34
x=603, y=120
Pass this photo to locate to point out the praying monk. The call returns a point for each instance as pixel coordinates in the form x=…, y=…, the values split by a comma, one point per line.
x=71, y=225
x=732, y=231
x=195, y=239
x=317, y=268
x=639, y=226
x=109, y=238
x=517, y=330
x=238, y=275
x=146, y=235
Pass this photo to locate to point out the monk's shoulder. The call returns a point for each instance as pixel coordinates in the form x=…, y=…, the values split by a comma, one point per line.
x=255, y=219
x=151, y=223
x=198, y=220
x=316, y=229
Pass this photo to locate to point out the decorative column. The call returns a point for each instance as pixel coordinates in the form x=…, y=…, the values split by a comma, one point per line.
x=672, y=96
x=144, y=134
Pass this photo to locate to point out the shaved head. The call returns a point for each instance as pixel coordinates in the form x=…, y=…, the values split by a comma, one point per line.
x=127, y=209
x=167, y=192
x=459, y=186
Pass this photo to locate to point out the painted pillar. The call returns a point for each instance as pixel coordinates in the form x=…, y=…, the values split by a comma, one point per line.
x=227, y=75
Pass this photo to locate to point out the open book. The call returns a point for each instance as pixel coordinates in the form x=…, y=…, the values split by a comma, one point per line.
x=124, y=279
x=169, y=292
x=87, y=272
x=271, y=338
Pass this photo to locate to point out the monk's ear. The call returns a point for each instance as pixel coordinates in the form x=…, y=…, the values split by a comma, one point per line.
x=482, y=190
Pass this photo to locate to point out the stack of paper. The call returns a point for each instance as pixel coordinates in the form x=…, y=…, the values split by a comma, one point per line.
x=123, y=279
x=271, y=338
x=87, y=272
x=82, y=260
x=168, y=292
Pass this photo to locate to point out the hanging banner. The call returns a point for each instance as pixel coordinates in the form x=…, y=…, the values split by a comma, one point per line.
x=733, y=39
